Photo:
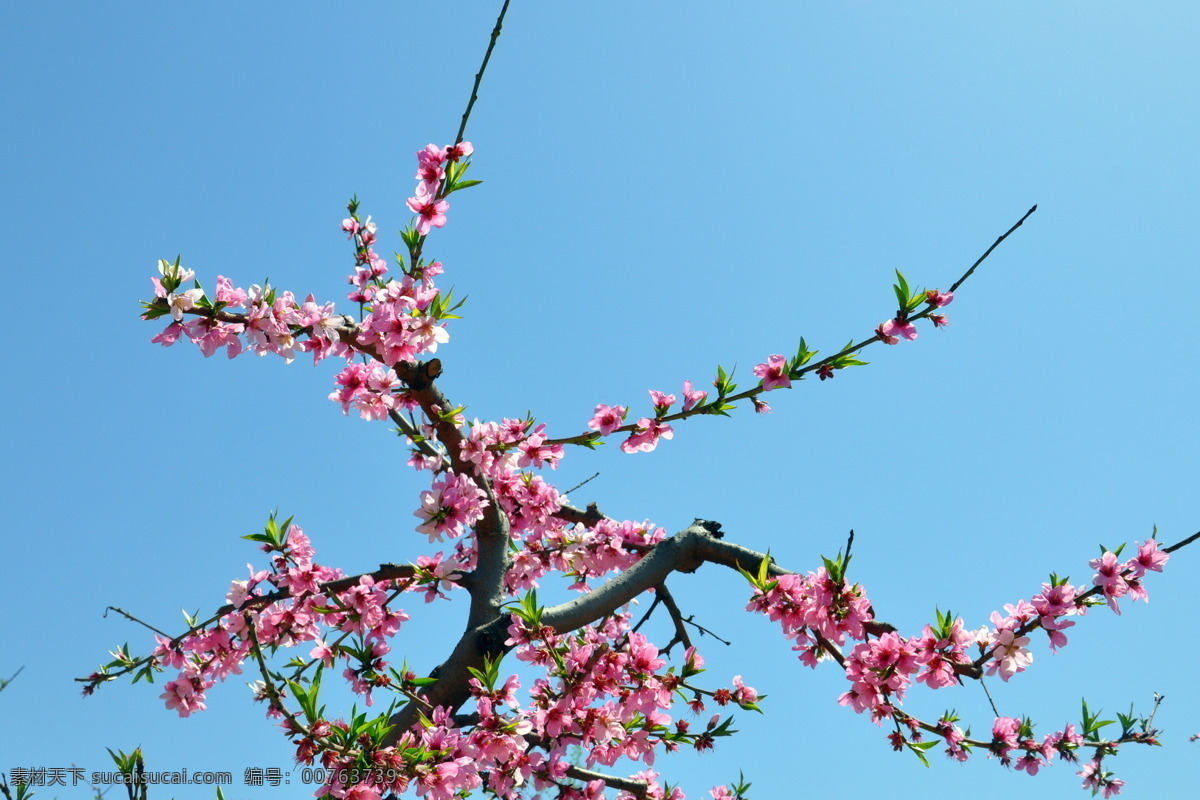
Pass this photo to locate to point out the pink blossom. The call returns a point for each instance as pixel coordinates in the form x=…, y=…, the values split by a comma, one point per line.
x=743, y=694
x=450, y=506
x=939, y=299
x=1009, y=654
x=185, y=695
x=429, y=170
x=430, y=211
x=226, y=293
x=646, y=437
x=183, y=301
x=607, y=419
x=169, y=335
x=459, y=151
x=1148, y=558
x=661, y=401
x=691, y=398
x=774, y=373
x=892, y=330
x=1110, y=579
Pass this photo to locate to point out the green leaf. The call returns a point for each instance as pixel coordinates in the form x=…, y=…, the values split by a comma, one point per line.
x=463, y=185
x=919, y=748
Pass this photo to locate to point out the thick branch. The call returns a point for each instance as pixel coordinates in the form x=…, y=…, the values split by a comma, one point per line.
x=451, y=689
x=634, y=787
x=683, y=552
x=586, y=518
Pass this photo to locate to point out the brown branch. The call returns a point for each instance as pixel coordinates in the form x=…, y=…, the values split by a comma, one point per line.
x=681, y=634
x=587, y=518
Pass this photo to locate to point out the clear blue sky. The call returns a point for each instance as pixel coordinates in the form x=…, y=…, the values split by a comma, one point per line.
x=668, y=186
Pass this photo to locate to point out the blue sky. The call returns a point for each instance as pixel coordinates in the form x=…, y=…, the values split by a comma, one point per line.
x=668, y=186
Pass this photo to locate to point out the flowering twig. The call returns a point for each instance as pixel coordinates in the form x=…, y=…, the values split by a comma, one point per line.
x=717, y=405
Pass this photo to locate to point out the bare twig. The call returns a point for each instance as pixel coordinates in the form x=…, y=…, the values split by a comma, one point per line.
x=462, y=128
x=132, y=618
x=582, y=483
x=988, y=252
x=4, y=683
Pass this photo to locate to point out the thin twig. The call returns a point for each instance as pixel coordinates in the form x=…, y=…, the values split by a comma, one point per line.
x=995, y=244
x=132, y=618
x=646, y=616
x=581, y=484
x=991, y=702
x=1183, y=543
x=663, y=594
x=462, y=129
x=4, y=683
x=1158, y=698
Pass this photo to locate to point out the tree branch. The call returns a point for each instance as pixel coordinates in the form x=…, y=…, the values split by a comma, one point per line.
x=462, y=128
x=749, y=394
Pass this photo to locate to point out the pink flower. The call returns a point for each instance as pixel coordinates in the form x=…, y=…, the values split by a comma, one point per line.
x=661, y=401
x=936, y=298
x=227, y=294
x=1009, y=654
x=1148, y=558
x=185, y=695
x=429, y=169
x=893, y=330
x=774, y=373
x=691, y=398
x=183, y=301
x=1109, y=578
x=939, y=320
x=323, y=652
x=607, y=419
x=646, y=437
x=743, y=694
x=169, y=336
x=430, y=211
x=460, y=150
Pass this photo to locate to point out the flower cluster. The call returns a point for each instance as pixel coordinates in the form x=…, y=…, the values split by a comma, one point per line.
x=821, y=611
x=609, y=691
x=1116, y=579
x=428, y=202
